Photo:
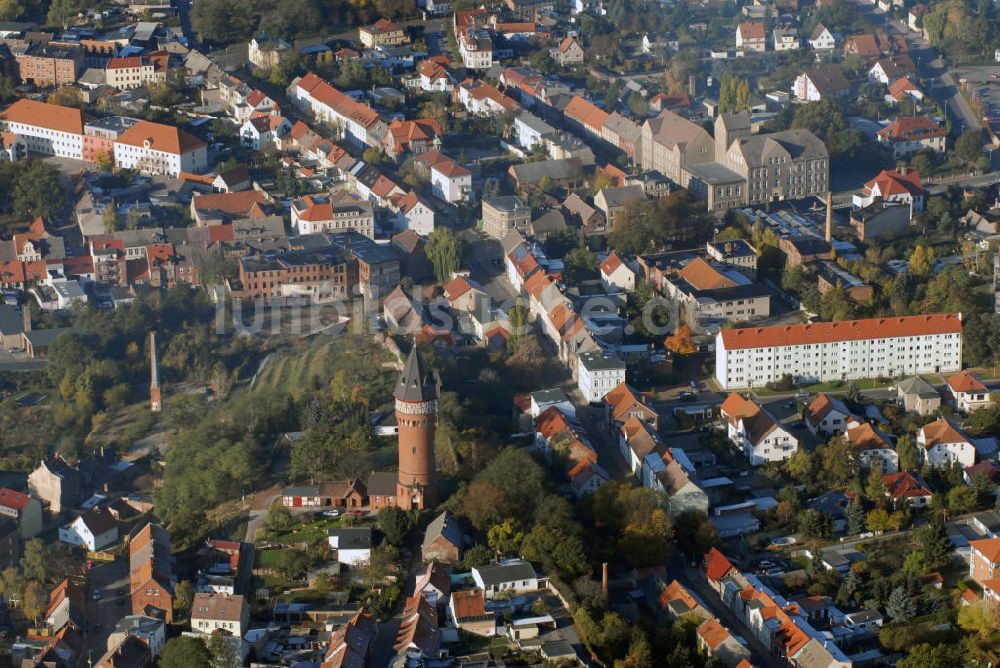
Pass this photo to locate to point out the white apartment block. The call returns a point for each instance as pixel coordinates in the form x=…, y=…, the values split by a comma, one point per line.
x=132, y=72
x=599, y=372
x=819, y=352
x=476, y=48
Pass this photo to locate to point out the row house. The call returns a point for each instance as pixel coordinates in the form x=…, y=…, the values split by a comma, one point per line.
x=483, y=99
x=850, y=349
x=152, y=578
x=413, y=212
x=780, y=625
x=313, y=215
x=136, y=71
x=265, y=132
x=559, y=434
x=357, y=122
x=755, y=432
x=624, y=403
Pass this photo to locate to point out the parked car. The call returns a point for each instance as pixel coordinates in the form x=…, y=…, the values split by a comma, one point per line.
x=331, y=512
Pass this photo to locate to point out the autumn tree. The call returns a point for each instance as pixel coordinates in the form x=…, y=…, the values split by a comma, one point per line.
x=34, y=601
x=681, y=341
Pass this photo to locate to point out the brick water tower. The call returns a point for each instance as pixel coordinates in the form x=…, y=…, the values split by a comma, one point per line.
x=416, y=397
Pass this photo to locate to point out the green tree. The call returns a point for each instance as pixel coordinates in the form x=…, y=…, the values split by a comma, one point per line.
x=925, y=655
x=395, y=523
x=186, y=652
x=505, y=538
x=444, y=250
x=10, y=10
x=921, y=261
x=581, y=263
x=901, y=606
x=279, y=518
x=815, y=524
x=800, y=465
x=906, y=449
x=477, y=556
x=183, y=596
x=839, y=465
x=62, y=13
x=961, y=499
x=225, y=652
x=969, y=146
x=855, y=517
x=978, y=619
x=936, y=545
x=877, y=520
x=875, y=486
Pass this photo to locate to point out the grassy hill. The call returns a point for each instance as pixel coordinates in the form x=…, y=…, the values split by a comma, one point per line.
x=314, y=364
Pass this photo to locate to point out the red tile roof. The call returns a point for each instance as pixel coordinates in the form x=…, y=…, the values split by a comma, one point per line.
x=988, y=547
x=846, y=330
x=903, y=485
x=716, y=565
x=13, y=499
x=611, y=264
x=751, y=30
x=912, y=128
x=45, y=115
x=159, y=137
x=966, y=381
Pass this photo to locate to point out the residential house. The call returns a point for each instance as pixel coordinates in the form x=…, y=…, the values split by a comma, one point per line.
x=562, y=173
x=822, y=39
x=918, y=396
x=463, y=294
x=265, y=52
x=435, y=77
x=419, y=637
x=872, y=448
x=415, y=213
x=228, y=613
x=716, y=641
x=94, y=529
x=136, y=71
x=449, y=180
x=616, y=275
x=444, y=540
x=411, y=137
x=888, y=70
x=569, y=52
x=503, y=213
x=151, y=572
x=902, y=186
x=382, y=33
x=823, y=82
x=351, y=644
x=599, y=373
x=314, y=215
x=751, y=36
x=264, y=132
x=907, y=488
x=908, y=134
x=590, y=220
x=827, y=415
x=942, y=442
x=358, y=123
x=353, y=544
x=56, y=484
x=738, y=254
x=127, y=652
x=514, y=576
x=904, y=89
x=755, y=431
x=623, y=403
x=785, y=39
x=23, y=509
x=467, y=611
x=968, y=393
x=612, y=202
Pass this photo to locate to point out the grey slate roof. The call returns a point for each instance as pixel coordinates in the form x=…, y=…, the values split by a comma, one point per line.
x=495, y=574
x=352, y=538
x=445, y=526
x=417, y=383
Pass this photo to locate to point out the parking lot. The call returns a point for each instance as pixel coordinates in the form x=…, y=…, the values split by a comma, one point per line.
x=984, y=87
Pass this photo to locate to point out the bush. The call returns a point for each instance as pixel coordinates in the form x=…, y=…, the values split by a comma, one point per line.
x=784, y=384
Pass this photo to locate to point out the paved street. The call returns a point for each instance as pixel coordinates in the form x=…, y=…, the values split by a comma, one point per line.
x=111, y=580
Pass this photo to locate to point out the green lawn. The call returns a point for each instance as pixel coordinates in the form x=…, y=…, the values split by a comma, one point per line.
x=309, y=532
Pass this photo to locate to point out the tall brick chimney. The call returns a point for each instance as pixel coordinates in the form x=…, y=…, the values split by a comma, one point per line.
x=155, y=402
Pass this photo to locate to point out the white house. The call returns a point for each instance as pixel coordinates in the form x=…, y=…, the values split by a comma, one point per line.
x=755, y=431
x=616, y=276
x=313, y=215
x=414, y=213
x=220, y=612
x=751, y=36
x=358, y=123
x=515, y=576
x=872, y=448
x=827, y=415
x=531, y=131
x=353, y=544
x=450, y=181
x=968, y=393
x=263, y=132
x=785, y=39
x=902, y=186
x=94, y=530
x=820, y=83
x=154, y=148
x=435, y=77
x=822, y=39
x=599, y=372
x=943, y=442
x=845, y=350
